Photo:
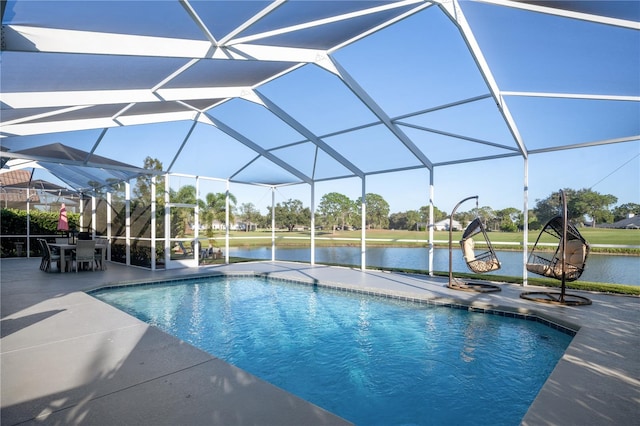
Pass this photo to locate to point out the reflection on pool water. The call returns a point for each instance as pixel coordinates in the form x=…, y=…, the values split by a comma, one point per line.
x=371, y=360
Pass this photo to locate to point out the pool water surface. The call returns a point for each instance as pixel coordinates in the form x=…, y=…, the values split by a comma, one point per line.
x=368, y=359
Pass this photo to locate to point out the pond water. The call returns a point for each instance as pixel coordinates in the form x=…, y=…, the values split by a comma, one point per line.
x=600, y=267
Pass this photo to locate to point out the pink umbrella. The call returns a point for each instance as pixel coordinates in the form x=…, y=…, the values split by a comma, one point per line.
x=63, y=222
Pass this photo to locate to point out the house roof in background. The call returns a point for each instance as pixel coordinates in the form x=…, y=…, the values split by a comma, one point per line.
x=16, y=178
x=13, y=184
x=628, y=223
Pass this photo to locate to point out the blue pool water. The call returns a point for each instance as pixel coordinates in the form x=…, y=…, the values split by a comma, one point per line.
x=371, y=360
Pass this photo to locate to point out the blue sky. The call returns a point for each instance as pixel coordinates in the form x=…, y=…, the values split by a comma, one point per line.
x=544, y=60
x=609, y=169
x=423, y=63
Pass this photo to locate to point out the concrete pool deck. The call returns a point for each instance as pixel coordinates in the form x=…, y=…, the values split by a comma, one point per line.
x=67, y=358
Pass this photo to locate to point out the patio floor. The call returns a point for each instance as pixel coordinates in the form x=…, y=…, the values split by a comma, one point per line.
x=67, y=358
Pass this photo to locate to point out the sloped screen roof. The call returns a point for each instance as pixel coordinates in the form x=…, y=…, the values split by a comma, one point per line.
x=297, y=91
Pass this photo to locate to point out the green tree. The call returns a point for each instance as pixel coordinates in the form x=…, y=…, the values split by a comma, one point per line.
x=534, y=222
x=214, y=208
x=508, y=219
x=398, y=220
x=181, y=217
x=485, y=213
x=291, y=213
x=592, y=204
x=413, y=219
x=623, y=211
x=465, y=217
x=549, y=207
x=335, y=208
x=264, y=220
x=377, y=211
x=584, y=202
x=142, y=189
x=142, y=194
x=249, y=214
x=438, y=214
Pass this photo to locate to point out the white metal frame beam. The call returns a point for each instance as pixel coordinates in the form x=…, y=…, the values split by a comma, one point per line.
x=257, y=148
x=368, y=101
x=551, y=8
x=453, y=10
x=419, y=7
x=324, y=21
x=589, y=96
x=298, y=127
x=21, y=38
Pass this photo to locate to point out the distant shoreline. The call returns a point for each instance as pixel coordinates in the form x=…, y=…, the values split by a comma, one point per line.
x=504, y=241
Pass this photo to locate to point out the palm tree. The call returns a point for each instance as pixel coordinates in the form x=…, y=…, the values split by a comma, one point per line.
x=180, y=217
x=215, y=209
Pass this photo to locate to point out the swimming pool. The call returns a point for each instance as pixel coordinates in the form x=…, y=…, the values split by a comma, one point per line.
x=371, y=360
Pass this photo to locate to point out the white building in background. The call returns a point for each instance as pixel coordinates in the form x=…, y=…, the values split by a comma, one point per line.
x=443, y=225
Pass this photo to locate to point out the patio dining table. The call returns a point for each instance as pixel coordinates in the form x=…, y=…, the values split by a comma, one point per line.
x=66, y=247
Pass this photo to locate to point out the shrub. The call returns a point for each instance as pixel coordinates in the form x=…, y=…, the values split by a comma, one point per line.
x=14, y=222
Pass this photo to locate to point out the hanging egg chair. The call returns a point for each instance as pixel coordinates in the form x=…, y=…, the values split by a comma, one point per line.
x=486, y=261
x=566, y=262
x=483, y=262
x=576, y=251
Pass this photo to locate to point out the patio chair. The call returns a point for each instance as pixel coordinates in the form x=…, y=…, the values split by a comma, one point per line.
x=45, y=254
x=49, y=257
x=98, y=256
x=206, y=253
x=218, y=254
x=85, y=253
x=184, y=250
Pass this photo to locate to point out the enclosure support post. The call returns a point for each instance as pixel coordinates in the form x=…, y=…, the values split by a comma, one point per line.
x=153, y=222
x=93, y=216
x=127, y=209
x=363, y=223
x=313, y=223
x=28, y=222
x=109, y=220
x=431, y=223
x=196, y=220
x=167, y=222
x=525, y=225
x=273, y=223
x=563, y=243
x=226, y=220
x=81, y=208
